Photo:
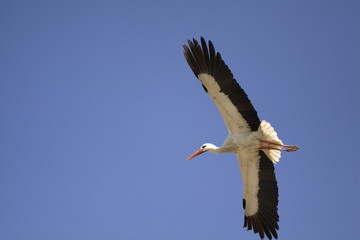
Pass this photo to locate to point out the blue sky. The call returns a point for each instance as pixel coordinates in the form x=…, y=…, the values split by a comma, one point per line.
x=99, y=111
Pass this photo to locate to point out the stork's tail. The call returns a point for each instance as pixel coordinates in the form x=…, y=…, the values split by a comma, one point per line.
x=270, y=135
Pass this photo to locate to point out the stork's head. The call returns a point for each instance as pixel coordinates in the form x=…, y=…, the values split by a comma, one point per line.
x=204, y=148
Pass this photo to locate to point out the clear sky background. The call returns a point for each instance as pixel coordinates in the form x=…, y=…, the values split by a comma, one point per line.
x=99, y=110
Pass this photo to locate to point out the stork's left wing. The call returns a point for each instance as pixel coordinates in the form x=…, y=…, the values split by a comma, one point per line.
x=260, y=198
x=234, y=105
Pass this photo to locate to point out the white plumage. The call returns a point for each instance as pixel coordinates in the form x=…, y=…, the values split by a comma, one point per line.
x=255, y=143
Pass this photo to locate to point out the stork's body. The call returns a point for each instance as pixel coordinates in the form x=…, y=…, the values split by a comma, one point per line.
x=255, y=143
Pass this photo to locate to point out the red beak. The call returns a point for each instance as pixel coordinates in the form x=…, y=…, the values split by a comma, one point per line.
x=198, y=152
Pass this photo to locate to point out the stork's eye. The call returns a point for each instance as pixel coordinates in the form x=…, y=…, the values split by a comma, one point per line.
x=203, y=146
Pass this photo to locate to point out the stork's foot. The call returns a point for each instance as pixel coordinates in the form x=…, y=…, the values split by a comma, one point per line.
x=291, y=148
x=280, y=147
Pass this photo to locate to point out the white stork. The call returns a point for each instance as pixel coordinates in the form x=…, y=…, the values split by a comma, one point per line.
x=255, y=143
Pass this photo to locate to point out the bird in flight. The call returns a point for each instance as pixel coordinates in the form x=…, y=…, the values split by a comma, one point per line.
x=255, y=142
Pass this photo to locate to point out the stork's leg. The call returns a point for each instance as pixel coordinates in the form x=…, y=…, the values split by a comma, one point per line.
x=274, y=148
x=288, y=148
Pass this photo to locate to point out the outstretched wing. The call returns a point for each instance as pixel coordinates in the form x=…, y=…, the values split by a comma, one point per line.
x=234, y=105
x=260, y=198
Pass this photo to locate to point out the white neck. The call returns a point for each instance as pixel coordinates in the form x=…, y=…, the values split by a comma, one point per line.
x=214, y=149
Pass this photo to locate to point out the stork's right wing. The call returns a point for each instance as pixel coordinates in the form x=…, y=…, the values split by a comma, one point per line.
x=218, y=81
